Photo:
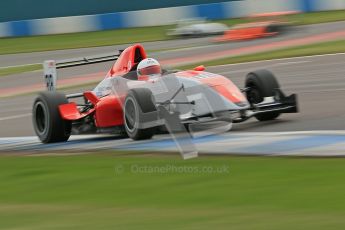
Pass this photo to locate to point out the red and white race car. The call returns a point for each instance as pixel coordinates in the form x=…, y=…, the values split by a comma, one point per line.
x=125, y=104
x=259, y=26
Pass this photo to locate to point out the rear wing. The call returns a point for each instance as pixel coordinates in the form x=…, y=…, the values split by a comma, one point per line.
x=50, y=67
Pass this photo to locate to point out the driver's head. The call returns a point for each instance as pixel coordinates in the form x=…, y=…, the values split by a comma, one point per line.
x=149, y=67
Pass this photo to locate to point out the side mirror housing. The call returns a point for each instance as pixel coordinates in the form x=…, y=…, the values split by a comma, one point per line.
x=199, y=68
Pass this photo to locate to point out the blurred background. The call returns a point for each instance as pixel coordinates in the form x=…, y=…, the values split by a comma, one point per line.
x=180, y=34
x=22, y=18
x=301, y=41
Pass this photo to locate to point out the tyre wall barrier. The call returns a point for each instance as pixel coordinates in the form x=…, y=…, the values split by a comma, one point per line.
x=160, y=16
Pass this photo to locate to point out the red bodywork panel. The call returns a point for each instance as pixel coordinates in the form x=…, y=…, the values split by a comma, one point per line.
x=246, y=31
x=199, y=68
x=222, y=85
x=256, y=29
x=70, y=112
x=108, y=110
x=89, y=95
x=128, y=60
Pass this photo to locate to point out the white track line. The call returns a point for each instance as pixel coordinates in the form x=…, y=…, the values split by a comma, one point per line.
x=15, y=117
x=291, y=63
x=264, y=67
x=279, y=59
x=13, y=66
x=312, y=132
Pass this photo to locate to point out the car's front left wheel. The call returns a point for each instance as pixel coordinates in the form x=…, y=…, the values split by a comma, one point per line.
x=48, y=124
x=138, y=101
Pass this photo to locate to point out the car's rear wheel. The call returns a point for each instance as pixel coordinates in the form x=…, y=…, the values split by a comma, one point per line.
x=261, y=84
x=137, y=101
x=276, y=28
x=48, y=124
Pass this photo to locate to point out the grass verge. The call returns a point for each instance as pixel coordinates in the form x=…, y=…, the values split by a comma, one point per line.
x=81, y=40
x=318, y=17
x=19, y=69
x=300, y=19
x=313, y=49
x=132, y=35
x=128, y=191
x=65, y=89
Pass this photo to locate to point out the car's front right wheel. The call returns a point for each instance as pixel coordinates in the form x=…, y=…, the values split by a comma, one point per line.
x=261, y=84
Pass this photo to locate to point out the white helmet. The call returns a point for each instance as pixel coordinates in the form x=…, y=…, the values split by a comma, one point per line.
x=149, y=67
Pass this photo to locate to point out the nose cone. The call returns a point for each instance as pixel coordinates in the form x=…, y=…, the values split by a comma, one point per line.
x=232, y=93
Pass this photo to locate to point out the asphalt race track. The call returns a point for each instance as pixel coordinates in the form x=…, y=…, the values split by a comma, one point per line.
x=321, y=144
x=316, y=130
x=201, y=49
x=318, y=81
x=172, y=48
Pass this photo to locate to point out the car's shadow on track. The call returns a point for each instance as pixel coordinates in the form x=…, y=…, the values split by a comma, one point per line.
x=273, y=125
x=105, y=137
x=251, y=126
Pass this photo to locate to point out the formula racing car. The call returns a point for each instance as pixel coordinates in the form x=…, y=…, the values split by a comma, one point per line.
x=138, y=106
x=259, y=26
x=197, y=27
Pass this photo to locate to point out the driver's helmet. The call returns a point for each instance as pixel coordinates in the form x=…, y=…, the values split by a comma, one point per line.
x=149, y=67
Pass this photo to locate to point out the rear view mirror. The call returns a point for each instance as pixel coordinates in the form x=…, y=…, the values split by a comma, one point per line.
x=199, y=68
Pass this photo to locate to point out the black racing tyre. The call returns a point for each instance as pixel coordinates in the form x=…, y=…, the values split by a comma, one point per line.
x=272, y=29
x=136, y=100
x=47, y=121
x=261, y=83
x=276, y=28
